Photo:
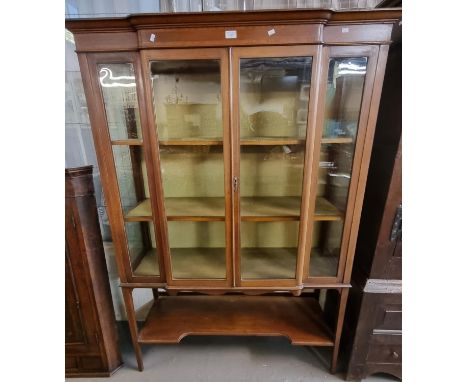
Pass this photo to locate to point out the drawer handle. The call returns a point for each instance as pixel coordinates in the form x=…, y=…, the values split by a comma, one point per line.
x=395, y=355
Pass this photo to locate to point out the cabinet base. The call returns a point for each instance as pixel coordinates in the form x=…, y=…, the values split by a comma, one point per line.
x=299, y=319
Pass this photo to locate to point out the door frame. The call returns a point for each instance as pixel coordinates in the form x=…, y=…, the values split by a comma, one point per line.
x=97, y=113
x=236, y=54
x=360, y=162
x=220, y=54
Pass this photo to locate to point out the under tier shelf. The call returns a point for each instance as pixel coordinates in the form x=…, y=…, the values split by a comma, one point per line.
x=278, y=208
x=298, y=318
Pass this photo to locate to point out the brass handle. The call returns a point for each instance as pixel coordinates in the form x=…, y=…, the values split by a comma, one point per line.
x=235, y=183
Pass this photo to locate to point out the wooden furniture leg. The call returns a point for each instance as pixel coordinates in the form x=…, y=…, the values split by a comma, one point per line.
x=339, y=327
x=132, y=323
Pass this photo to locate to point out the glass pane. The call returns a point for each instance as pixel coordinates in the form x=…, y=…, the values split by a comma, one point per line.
x=269, y=249
x=197, y=249
x=188, y=116
x=187, y=99
x=274, y=96
x=274, y=99
x=118, y=88
x=132, y=178
x=343, y=106
x=142, y=248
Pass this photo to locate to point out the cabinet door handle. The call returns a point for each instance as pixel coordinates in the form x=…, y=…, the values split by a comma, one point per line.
x=235, y=183
x=395, y=355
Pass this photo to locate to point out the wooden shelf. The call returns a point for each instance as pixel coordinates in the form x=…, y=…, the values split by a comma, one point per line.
x=149, y=264
x=298, y=318
x=195, y=209
x=127, y=142
x=322, y=265
x=140, y=213
x=338, y=140
x=271, y=141
x=191, y=142
x=198, y=263
x=278, y=208
x=325, y=211
x=268, y=263
x=253, y=141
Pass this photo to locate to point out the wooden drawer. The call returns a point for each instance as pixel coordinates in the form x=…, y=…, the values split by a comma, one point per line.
x=388, y=318
x=353, y=33
x=385, y=349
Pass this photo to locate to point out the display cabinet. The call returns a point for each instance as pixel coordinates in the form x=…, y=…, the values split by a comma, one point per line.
x=234, y=150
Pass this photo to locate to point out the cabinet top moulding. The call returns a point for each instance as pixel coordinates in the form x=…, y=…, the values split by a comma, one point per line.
x=313, y=26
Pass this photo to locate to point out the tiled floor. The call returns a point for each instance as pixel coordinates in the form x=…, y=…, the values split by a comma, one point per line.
x=226, y=359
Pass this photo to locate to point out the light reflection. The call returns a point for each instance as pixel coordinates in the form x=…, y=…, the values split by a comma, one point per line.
x=106, y=73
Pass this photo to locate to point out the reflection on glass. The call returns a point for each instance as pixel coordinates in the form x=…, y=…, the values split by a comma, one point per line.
x=118, y=88
x=343, y=105
x=188, y=116
x=142, y=248
x=274, y=96
x=274, y=99
x=187, y=99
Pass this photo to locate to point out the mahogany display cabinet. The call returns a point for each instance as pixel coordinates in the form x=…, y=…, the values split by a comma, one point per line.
x=233, y=149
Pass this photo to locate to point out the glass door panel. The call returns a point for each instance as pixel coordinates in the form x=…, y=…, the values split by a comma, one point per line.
x=118, y=87
x=273, y=112
x=189, y=120
x=345, y=86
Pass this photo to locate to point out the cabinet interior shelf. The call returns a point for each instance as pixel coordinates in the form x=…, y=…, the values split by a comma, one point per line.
x=256, y=263
x=210, y=263
x=127, y=142
x=278, y=208
x=252, y=141
x=299, y=319
x=337, y=140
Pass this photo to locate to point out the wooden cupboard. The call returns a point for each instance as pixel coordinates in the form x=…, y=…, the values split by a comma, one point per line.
x=91, y=339
x=234, y=149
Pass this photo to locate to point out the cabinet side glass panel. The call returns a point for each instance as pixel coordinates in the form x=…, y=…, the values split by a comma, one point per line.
x=273, y=106
x=188, y=117
x=345, y=84
x=118, y=87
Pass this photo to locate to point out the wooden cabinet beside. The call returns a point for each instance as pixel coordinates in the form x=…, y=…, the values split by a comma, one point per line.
x=234, y=149
x=374, y=316
x=91, y=347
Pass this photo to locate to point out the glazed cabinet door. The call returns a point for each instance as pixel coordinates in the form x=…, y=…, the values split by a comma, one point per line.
x=273, y=95
x=189, y=125
x=347, y=82
x=117, y=112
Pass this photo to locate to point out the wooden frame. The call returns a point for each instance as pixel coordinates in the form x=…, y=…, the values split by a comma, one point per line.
x=191, y=54
x=318, y=33
x=371, y=52
x=269, y=52
x=102, y=137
